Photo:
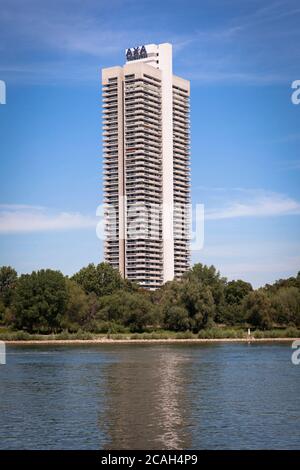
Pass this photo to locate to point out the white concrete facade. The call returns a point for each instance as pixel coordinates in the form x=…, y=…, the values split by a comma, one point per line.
x=146, y=166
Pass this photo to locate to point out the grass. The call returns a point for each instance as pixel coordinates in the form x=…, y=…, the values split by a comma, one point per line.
x=25, y=336
x=290, y=332
x=222, y=333
x=211, y=333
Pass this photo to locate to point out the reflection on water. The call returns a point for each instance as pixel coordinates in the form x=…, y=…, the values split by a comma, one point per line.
x=210, y=396
x=145, y=395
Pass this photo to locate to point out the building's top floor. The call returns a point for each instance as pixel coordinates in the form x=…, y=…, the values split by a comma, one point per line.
x=154, y=60
x=156, y=55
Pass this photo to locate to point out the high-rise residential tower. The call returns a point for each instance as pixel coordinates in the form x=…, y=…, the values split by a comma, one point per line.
x=146, y=166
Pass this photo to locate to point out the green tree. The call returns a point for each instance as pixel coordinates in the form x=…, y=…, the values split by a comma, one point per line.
x=187, y=303
x=290, y=282
x=257, y=309
x=176, y=318
x=175, y=315
x=39, y=301
x=8, y=280
x=235, y=292
x=286, y=304
x=102, y=279
x=199, y=302
x=2, y=311
x=208, y=276
x=76, y=313
x=133, y=310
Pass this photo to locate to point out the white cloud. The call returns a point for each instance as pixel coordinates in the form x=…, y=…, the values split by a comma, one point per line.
x=12, y=207
x=261, y=272
x=257, y=204
x=256, y=261
x=287, y=264
x=21, y=218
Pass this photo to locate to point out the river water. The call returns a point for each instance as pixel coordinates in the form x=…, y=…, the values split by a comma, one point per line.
x=187, y=396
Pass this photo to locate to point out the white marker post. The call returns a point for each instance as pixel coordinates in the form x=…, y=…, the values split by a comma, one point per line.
x=2, y=353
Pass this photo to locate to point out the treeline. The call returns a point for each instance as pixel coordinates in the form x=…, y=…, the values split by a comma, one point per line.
x=98, y=300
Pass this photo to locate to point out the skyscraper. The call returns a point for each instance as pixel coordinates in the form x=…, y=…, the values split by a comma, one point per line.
x=146, y=166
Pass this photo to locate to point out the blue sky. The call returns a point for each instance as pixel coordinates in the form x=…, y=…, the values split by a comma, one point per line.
x=241, y=58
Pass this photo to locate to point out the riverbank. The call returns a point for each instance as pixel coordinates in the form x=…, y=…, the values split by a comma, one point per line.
x=162, y=336
x=147, y=341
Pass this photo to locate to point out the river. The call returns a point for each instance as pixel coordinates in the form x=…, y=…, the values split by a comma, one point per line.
x=152, y=396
